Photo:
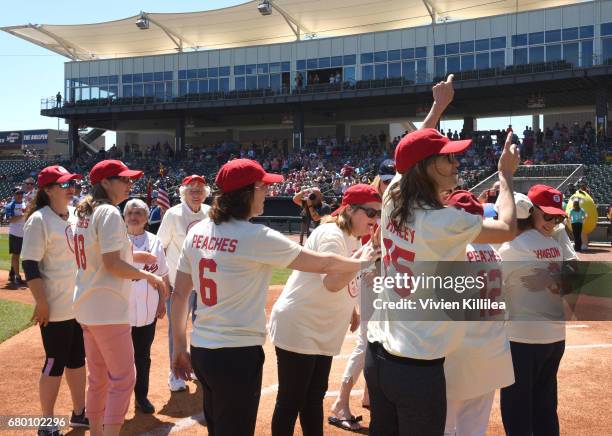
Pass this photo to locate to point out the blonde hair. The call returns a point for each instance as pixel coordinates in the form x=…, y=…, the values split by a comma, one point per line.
x=377, y=184
x=96, y=197
x=342, y=220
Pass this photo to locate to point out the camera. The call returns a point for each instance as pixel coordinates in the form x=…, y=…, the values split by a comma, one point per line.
x=312, y=197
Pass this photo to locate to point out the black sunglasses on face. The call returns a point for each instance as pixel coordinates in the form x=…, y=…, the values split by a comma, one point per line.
x=369, y=211
x=558, y=218
x=64, y=185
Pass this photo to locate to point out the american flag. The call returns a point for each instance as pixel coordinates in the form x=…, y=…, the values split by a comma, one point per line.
x=162, y=198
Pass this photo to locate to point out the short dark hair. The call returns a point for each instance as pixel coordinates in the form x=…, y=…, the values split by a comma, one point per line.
x=234, y=204
x=525, y=223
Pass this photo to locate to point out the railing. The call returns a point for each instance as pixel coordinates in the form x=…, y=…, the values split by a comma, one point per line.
x=420, y=78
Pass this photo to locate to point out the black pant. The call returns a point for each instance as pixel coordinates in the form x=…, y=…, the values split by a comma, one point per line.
x=302, y=383
x=231, y=381
x=407, y=396
x=577, y=230
x=529, y=406
x=142, y=338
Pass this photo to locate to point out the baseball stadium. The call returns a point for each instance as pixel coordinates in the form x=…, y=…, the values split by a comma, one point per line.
x=198, y=251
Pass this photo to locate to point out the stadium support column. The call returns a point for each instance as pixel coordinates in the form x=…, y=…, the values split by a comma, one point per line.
x=535, y=122
x=73, y=139
x=468, y=125
x=340, y=133
x=298, y=129
x=179, y=136
x=601, y=113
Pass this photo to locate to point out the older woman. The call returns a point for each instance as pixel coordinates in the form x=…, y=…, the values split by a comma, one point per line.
x=145, y=302
x=174, y=227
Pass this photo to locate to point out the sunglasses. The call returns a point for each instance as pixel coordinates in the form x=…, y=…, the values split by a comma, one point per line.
x=369, y=211
x=558, y=218
x=65, y=185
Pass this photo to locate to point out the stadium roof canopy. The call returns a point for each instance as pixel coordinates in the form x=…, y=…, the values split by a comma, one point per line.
x=243, y=25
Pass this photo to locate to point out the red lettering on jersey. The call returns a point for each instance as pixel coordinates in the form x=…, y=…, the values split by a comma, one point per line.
x=404, y=232
x=547, y=253
x=83, y=223
x=218, y=244
x=224, y=244
x=233, y=245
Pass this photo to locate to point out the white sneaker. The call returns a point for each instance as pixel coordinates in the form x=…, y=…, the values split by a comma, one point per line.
x=176, y=384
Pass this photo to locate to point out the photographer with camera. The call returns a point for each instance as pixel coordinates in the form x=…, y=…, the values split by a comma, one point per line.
x=313, y=209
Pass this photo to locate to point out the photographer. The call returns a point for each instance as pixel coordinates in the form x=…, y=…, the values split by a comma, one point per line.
x=490, y=195
x=313, y=209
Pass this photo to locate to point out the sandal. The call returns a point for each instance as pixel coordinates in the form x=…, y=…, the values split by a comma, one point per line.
x=346, y=424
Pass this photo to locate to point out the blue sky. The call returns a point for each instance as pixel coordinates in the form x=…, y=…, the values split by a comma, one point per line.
x=30, y=73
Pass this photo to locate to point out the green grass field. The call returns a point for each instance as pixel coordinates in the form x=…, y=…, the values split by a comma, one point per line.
x=5, y=259
x=14, y=317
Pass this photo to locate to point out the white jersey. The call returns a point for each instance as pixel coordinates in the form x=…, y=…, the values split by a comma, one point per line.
x=101, y=297
x=307, y=318
x=231, y=267
x=482, y=362
x=144, y=298
x=48, y=240
x=521, y=257
x=172, y=231
x=433, y=235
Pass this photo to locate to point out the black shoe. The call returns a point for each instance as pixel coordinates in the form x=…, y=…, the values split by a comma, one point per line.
x=145, y=405
x=48, y=431
x=11, y=284
x=79, y=420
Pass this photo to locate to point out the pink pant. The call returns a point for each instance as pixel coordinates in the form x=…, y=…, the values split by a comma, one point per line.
x=111, y=372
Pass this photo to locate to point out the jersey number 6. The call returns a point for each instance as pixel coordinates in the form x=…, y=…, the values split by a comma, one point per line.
x=208, y=287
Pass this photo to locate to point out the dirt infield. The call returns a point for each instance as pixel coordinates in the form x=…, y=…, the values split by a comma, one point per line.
x=585, y=382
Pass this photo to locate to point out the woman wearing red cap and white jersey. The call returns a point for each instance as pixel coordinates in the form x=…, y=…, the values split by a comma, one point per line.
x=482, y=361
x=404, y=361
x=174, y=227
x=309, y=320
x=50, y=272
x=229, y=261
x=532, y=263
x=101, y=298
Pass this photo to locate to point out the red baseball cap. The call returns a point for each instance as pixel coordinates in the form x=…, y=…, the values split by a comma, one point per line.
x=110, y=168
x=358, y=194
x=239, y=173
x=465, y=200
x=547, y=198
x=193, y=178
x=420, y=144
x=55, y=174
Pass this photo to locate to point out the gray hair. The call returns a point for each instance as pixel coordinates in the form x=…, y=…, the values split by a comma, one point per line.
x=136, y=203
x=182, y=190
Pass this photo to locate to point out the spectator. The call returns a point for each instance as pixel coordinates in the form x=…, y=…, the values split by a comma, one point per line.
x=58, y=99
x=313, y=209
x=14, y=214
x=577, y=216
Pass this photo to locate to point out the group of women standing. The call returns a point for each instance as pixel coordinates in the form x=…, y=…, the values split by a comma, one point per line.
x=424, y=376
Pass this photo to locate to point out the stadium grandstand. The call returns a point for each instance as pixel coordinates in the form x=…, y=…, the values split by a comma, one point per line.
x=309, y=88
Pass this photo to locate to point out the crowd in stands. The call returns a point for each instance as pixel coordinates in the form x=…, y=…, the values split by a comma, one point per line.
x=327, y=164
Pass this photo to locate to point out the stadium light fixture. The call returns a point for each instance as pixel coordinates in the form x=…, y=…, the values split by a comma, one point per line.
x=142, y=22
x=264, y=7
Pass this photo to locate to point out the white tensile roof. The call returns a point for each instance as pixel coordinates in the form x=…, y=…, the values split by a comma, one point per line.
x=243, y=25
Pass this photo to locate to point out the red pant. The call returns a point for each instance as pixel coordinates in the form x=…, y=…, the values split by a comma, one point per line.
x=111, y=372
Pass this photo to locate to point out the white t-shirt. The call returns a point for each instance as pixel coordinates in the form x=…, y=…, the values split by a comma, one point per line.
x=172, y=231
x=101, y=297
x=231, y=267
x=567, y=246
x=482, y=362
x=307, y=318
x=144, y=298
x=48, y=240
x=521, y=257
x=16, y=228
x=433, y=235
